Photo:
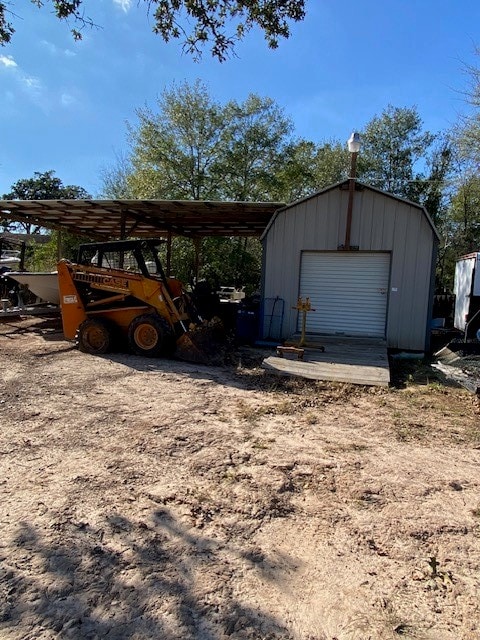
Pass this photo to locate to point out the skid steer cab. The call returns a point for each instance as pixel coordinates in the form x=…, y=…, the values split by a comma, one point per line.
x=116, y=296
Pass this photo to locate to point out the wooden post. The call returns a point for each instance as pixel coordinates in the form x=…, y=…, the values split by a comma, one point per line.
x=59, y=245
x=197, y=243
x=169, y=253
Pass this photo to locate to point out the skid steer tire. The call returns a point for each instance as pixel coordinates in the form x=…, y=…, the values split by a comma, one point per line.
x=150, y=335
x=94, y=336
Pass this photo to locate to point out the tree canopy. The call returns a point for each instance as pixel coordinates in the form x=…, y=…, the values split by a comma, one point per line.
x=195, y=23
x=42, y=186
x=193, y=147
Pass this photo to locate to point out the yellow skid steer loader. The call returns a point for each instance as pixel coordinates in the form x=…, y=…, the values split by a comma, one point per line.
x=116, y=293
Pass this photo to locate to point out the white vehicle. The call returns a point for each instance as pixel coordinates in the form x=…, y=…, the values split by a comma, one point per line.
x=467, y=295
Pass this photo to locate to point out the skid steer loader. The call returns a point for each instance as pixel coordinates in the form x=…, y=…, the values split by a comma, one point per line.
x=117, y=294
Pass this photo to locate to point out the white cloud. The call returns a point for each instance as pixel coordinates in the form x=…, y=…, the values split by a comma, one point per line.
x=55, y=51
x=34, y=88
x=8, y=61
x=52, y=48
x=66, y=100
x=123, y=4
x=31, y=83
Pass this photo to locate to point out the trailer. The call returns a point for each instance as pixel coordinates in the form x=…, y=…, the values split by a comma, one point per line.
x=467, y=295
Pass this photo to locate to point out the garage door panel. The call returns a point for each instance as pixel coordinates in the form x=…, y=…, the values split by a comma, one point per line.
x=348, y=291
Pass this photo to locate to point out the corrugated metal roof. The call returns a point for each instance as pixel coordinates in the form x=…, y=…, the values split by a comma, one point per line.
x=358, y=186
x=106, y=219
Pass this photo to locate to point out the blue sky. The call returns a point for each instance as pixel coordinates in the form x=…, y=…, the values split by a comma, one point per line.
x=64, y=104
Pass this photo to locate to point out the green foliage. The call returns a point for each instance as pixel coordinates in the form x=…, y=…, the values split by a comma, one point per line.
x=460, y=227
x=393, y=144
x=308, y=168
x=194, y=22
x=232, y=262
x=399, y=157
x=115, y=180
x=224, y=262
x=6, y=27
x=43, y=186
x=194, y=148
x=174, y=150
x=460, y=223
x=254, y=143
x=44, y=256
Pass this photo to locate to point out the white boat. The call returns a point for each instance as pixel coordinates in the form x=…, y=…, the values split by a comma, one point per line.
x=43, y=284
x=10, y=259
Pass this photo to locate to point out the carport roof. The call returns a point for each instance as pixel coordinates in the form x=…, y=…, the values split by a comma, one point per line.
x=104, y=219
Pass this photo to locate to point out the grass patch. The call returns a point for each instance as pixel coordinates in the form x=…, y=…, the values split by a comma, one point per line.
x=410, y=431
x=253, y=414
x=405, y=373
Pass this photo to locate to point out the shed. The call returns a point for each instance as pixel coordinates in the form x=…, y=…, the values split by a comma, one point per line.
x=365, y=258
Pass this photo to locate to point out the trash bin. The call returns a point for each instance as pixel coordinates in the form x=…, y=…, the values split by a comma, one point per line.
x=246, y=326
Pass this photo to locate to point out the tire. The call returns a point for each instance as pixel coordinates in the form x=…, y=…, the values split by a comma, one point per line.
x=150, y=335
x=94, y=336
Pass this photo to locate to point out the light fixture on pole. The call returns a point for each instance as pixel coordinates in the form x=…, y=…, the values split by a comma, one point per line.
x=354, y=142
x=354, y=148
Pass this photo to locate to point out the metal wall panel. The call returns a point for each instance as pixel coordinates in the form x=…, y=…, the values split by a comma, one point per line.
x=349, y=292
x=464, y=270
x=379, y=223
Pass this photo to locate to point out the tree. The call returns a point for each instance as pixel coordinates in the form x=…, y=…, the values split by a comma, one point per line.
x=465, y=214
x=460, y=226
x=255, y=140
x=195, y=148
x=43, y=186
x=309, y=167
x=467, y=132
x=209, y=21
x=399, y=157
x=393, y=144
x=115, y=179
x=173, y=150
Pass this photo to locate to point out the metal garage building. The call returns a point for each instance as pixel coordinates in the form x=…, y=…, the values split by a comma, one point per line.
x=365, y=258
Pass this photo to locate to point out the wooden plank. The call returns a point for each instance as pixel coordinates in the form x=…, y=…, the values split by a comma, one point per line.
x=329, y=371
x=344, y=360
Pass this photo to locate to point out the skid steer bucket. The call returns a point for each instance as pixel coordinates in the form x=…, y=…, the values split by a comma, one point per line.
x=202, y=344
x=187, y=350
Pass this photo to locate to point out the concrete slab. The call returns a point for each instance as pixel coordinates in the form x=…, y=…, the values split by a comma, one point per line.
x=353, y=360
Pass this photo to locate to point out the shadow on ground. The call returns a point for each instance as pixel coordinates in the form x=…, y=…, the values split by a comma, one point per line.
x=125, y=579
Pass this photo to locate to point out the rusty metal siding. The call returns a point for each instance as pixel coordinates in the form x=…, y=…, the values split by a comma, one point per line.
x=379, y=223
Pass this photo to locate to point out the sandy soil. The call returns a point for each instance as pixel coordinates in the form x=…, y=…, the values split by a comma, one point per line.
x=153, y=499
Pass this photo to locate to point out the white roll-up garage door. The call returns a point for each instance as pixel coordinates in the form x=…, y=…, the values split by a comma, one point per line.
x=349, y=292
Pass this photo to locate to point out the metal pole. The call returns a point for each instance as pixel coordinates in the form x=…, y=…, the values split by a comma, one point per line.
x=351, y=191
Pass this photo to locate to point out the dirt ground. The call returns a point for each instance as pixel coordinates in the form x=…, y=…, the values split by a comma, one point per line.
x=154, y=499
